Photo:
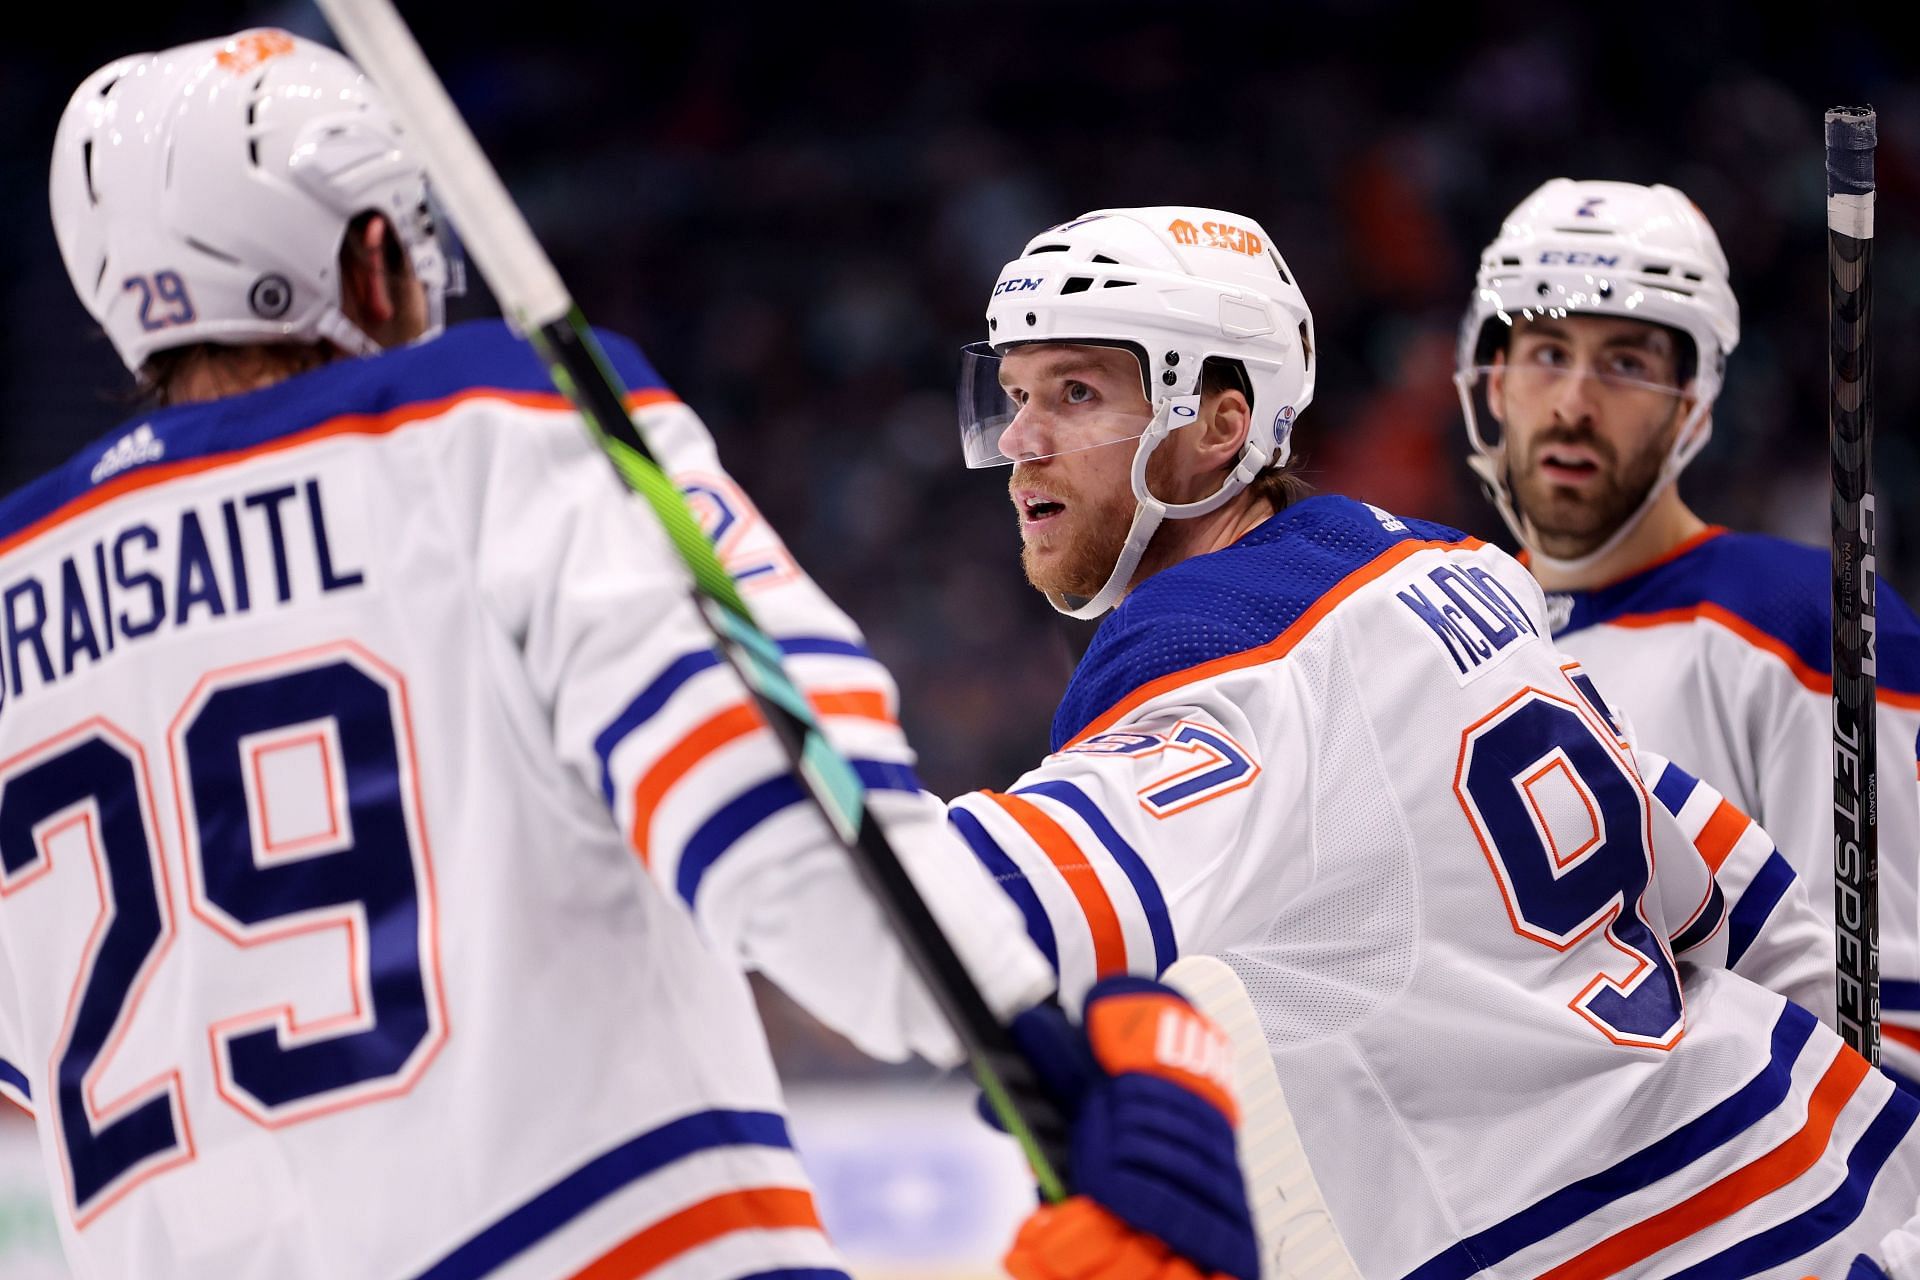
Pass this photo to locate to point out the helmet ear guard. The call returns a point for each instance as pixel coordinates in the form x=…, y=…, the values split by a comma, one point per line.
x=1179, y=287
x=1645, y=254
x=201, y=194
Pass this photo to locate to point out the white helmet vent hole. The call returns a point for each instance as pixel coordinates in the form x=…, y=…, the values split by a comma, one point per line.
x=1280, y=266
x=210, y=251
x=1049, y=248
x=86, y=167
x=1119, y=284
x=1306, y=346
x=1078, y=284
x=1101, y=257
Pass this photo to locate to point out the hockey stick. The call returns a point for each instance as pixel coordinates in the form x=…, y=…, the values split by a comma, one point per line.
x=1851, y=134
x=538, y=306
x=1298, y=1240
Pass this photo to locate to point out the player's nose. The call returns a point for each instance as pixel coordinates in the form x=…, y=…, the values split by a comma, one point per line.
x=1028, y=436
x=1575, y=396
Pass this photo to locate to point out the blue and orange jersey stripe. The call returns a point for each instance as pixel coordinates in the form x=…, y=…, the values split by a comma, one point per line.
x=1772, y=594
x=1096, y=905
x=552, y=1209
x=676, y=675
x=470, y=363
x=1843, y=1080
x=1146, y=889
x=1010, y=879
x=749, y=1209
x=1728, y=1195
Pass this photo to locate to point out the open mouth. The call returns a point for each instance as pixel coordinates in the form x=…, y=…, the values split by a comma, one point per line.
x=1034, y=509
x=1571, y=463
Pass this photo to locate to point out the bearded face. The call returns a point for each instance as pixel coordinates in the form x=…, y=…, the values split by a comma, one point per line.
x=1078, y=412
x=1590, y=406
x=1086, y=507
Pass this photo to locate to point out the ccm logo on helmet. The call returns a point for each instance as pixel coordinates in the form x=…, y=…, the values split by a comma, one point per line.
x=1016, y=284
x=1216, y=235
x=1574, y=258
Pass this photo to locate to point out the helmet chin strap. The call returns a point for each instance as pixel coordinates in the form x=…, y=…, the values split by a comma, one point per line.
x=1149, y=511
x=1692, y=438
x=343, y=333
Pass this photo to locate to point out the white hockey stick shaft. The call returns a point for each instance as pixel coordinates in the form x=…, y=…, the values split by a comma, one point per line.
x=1298, y=1240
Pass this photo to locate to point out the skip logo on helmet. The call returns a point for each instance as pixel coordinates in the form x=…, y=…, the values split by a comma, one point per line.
x=1218, y=235
x=248, y=50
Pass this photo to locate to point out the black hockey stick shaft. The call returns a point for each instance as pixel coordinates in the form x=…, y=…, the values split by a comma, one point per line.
x=1851, y=135
x=538, y=305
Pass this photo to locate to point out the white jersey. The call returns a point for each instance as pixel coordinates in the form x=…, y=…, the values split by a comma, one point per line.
x=1343, y=755
x=1720, y=654
x=381, y=844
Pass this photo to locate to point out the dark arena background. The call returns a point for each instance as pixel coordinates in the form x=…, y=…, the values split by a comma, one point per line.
x=798, y=211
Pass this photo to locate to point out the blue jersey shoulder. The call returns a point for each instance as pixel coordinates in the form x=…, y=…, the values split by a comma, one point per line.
x=1780, y=588
x=1229, y=601
x=480, y=355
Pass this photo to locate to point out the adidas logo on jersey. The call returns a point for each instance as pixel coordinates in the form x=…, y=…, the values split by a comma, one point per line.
x=137, y=446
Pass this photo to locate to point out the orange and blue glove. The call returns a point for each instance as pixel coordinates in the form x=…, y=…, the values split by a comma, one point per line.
x=1146, y=1085
x=1078, y=1240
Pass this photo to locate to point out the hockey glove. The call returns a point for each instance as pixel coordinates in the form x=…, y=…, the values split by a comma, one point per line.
x=1146, y=1084
x=1078, y=1240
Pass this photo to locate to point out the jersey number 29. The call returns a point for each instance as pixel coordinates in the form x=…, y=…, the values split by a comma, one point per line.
x=352, y=859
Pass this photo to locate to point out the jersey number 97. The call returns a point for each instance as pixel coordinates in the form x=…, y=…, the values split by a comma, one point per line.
x=1564, y=823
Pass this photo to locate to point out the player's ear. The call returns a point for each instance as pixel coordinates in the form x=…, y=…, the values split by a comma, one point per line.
x=1497, y=387
x=1225, y=419
x=369, y=290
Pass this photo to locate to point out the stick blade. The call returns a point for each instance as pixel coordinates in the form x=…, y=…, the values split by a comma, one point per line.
x=1298, y=1240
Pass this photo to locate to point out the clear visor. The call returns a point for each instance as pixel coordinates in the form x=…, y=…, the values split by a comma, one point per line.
x=1049, y=399
x=1543, y=393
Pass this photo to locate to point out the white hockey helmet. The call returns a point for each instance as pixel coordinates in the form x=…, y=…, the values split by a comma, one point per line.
x=201, y=194
x=1618, y=249
x=1176, y=286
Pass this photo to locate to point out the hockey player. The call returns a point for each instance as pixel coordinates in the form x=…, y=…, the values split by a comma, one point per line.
x=1338, y=747
x=381, y=842
x=1590, y=360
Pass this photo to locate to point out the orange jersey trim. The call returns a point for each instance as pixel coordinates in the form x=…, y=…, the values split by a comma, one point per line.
x=721, y=728
x=1280, y=645
x=1722, y=832
x=754, y=1209
x=1752, y=1182
x=1817, y=681
x=352, y=424
x=1906, y=1036
x=1109, y=942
